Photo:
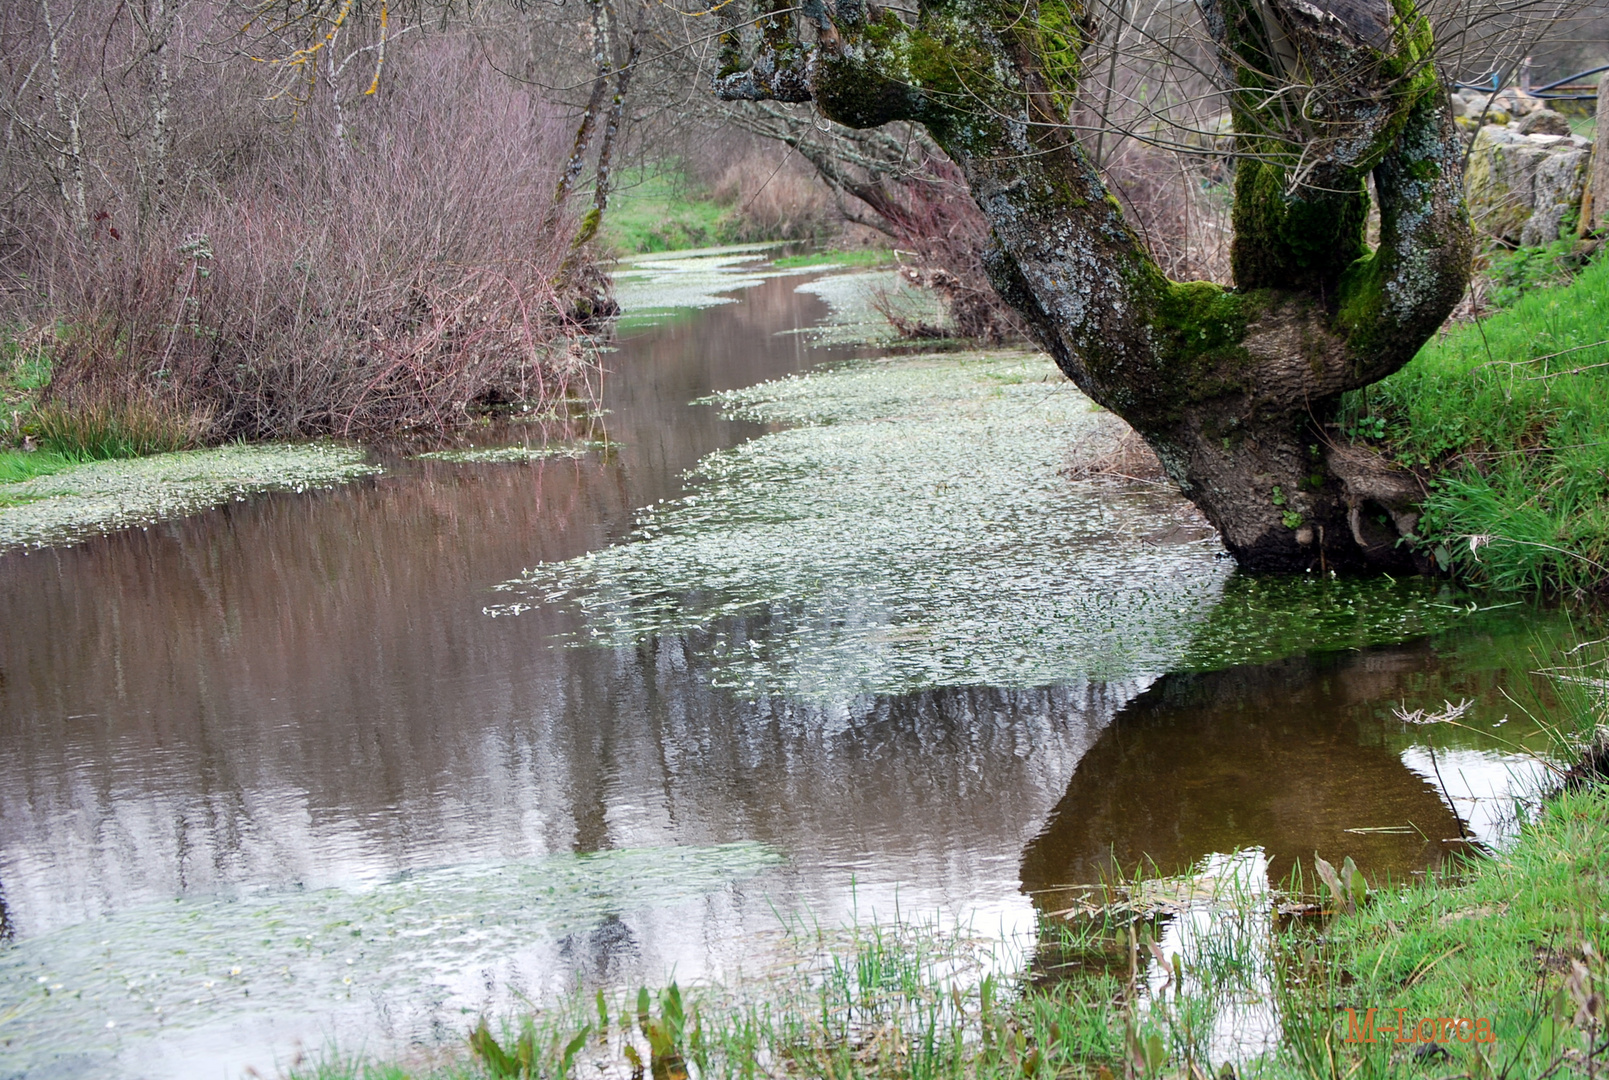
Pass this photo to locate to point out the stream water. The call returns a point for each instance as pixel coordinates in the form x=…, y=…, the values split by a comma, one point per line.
x=349, y=768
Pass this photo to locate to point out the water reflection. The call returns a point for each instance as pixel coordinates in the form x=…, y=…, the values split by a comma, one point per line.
x=1299, y=756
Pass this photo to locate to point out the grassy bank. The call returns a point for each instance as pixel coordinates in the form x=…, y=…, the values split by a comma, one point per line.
x=668, y=210
x=1510, y=415
x=1513, y=947
x=46, y=438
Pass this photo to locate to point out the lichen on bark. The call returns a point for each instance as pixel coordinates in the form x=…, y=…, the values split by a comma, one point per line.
x=1234, y=387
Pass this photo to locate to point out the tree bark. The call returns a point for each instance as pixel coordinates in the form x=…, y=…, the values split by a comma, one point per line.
x=589, y=115
x=70, y=178
x=1235, y=389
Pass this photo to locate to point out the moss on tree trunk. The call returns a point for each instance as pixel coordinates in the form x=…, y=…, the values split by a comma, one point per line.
x=1236, y=389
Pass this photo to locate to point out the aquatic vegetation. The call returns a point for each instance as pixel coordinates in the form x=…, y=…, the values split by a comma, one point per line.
x=480, y=455
x=651, y=287
x=913, y=530
x=80, y=997
x=1262, y=618
x=100, y=496
x=857, y=302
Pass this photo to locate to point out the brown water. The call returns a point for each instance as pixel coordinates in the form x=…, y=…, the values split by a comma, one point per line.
x=273, y=778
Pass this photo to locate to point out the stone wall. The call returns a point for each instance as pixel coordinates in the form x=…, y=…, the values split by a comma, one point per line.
x=1527, y=173
x=1599, y=201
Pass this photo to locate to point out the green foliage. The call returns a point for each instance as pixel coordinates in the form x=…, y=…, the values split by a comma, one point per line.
x=1512, y=414
x=525, y=1060
x=1515, y=273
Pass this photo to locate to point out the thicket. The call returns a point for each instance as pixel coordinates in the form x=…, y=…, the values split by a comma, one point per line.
x=198, y=245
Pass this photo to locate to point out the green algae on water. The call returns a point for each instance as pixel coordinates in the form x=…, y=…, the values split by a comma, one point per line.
x=100, y=496
x=482, y=455
x=416, y=947
x=914, y=530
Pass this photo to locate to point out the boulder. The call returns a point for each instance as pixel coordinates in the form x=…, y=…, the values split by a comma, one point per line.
x=1544, y=122
x=1522, y=188
x=1517, y=103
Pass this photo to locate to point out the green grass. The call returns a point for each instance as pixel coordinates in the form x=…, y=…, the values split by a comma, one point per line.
x=1497, y=943
x=17, y=466
x=24, y=373
x=1511, y=414
x=663, y=212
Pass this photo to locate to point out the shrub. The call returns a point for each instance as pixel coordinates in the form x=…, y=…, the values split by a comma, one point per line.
x=383, y=270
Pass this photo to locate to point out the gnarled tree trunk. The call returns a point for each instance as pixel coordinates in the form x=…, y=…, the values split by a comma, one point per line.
x=1233, y=388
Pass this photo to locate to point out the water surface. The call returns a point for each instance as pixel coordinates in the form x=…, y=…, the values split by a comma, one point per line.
x=292, y=772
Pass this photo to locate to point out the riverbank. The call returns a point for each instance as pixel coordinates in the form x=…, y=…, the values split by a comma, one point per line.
x=1507, y=419
x=1492, y=968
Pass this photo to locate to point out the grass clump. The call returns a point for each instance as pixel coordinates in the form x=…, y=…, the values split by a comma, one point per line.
x=1511, y=944
x=1511, y=417
x=112, y=427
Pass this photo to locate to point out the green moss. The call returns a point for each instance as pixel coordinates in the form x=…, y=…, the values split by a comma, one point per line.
x=1201, y=327
x=1200, y=318
x=1303, y=241
x=1059, y=41
x=1362, y=297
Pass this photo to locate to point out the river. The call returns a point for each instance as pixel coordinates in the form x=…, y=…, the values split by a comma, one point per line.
x=296, y=773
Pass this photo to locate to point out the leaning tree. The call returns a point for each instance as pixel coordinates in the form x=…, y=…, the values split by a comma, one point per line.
x=1236, y=389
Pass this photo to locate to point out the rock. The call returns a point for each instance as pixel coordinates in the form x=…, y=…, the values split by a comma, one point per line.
x=1517, y=103
x=1521, y=188
x=1600, y=161
x=1544, y=122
